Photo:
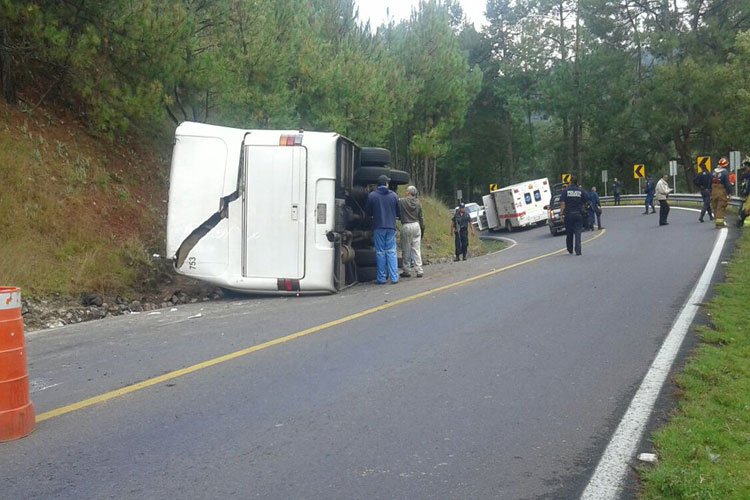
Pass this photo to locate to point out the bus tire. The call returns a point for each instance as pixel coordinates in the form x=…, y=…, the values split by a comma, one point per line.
x=366, y=257
x=369, y=175
x=366, y=273
x=374, y=157
x=399, y=177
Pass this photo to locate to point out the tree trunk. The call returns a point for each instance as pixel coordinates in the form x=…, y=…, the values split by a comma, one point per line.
x=682, y=146
x=6, y=69
x=510, y=163
x=433, y=184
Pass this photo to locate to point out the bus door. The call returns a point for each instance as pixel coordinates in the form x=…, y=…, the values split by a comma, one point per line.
x=274, y=212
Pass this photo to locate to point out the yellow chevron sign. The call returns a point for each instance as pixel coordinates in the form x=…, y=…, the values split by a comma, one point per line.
x=566, y=178
x=639, y=171
x=493, y=187
x=704, y=164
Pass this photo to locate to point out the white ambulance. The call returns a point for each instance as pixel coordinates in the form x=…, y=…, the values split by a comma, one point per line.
x=520, y=205
x=272, y=211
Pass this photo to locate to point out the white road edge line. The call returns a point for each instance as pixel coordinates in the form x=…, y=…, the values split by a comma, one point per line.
x=499, y=238
x=608, y=478
x=641, y=206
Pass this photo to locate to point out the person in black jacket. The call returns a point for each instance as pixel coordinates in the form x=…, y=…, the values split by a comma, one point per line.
x=616, y=190
x=460, y=226
x=572, y=201
x=703, y=182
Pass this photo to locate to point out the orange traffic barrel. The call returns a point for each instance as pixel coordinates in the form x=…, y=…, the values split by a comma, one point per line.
x=16, y=410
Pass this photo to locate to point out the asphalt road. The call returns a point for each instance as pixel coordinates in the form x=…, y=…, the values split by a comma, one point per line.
x=508, y=386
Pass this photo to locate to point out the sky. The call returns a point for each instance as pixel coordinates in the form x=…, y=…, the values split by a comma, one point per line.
x=375, y=10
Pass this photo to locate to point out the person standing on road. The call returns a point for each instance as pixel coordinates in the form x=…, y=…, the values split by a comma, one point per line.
x=616, y=190
x=595, y=209
x=460, y=226
x=721, y=192
x=383, y=207
x=572, y=201
x=662, y=193
x=649, y=195
x=412, y=229
x=703, y=182
x=744, y=211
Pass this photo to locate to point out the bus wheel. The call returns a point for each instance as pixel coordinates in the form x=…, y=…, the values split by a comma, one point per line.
x=374, y=157
x=369, y=175
x=365, y=274
x=366, y=257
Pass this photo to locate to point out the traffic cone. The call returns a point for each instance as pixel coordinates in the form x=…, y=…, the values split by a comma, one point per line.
x=17, y=417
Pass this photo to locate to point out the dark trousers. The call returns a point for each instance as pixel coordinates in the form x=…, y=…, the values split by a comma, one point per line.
x=593, y=214
x=663, y=212
x=462, y=243
x=706, y=195
x=617, y=198
x=573, y=223
x=650, y=202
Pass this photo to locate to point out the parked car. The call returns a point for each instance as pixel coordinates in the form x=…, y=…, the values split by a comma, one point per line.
x=476, y=213
x=556, y=224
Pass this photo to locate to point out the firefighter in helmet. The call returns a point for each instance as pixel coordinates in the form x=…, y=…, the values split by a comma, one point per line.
x=721, y=192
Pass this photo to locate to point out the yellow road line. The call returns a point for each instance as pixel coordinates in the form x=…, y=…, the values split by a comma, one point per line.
x=244, y=352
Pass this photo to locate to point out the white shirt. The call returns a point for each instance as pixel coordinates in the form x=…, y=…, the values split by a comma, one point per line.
x=662, y=190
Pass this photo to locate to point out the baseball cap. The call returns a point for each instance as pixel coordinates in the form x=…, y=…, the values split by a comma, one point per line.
x=382, y=180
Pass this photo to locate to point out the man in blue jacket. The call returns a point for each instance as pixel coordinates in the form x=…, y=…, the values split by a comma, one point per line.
x=650, y=188
x=382, y=206
x=703, y=181
x=595, y=209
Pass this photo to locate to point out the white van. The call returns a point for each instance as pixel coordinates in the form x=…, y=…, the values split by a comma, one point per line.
x=272, y=211
x=519, y=205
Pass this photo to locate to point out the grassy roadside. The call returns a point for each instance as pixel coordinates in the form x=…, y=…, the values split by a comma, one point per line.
x=438, y=242
x=704, y=452
x=77, y=213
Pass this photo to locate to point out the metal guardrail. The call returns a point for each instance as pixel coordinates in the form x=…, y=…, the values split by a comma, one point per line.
x=687, y=197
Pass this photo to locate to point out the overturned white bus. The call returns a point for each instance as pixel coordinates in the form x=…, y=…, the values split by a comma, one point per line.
x=272, y=211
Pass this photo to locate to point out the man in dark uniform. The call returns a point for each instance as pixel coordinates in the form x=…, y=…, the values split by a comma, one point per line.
x=595, y=209
x=650, y=190
x=616, y=188
x=460, y=226
x=572, y=201
x=703, y=182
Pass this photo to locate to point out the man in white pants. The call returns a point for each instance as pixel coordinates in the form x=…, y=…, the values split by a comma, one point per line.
x=412, y=229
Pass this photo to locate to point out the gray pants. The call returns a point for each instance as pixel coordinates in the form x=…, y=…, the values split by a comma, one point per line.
x=411, y=246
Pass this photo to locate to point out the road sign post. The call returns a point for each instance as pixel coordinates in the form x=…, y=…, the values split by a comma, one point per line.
x=459, y=195
x=673, y=173
x=604, y=181
x=639, y=172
